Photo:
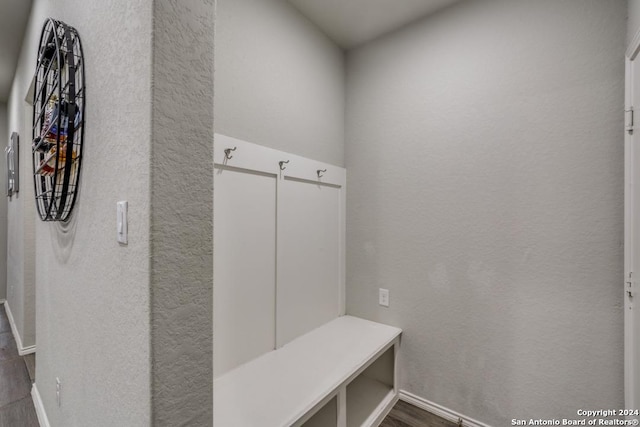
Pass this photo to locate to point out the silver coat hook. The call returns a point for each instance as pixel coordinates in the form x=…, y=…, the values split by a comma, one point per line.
x=282, y=164
x=227, y=152
x=321, y=172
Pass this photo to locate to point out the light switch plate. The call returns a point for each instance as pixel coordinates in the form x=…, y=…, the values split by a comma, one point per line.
x=121, y=222
x=59, y=391
x=383, y=297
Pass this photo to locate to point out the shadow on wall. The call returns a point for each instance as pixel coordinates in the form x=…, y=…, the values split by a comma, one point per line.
x=63, y=234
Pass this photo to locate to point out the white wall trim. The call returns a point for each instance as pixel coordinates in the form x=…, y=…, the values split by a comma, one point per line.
x=384, y=410
x=440, y=410
x=634, y=46
x=21, y=349
x=2, y=301
x=630, y=243
x=39, y=405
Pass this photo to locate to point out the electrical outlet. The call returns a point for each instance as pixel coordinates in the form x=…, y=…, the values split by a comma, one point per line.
x=58, y=391
x=383, y=297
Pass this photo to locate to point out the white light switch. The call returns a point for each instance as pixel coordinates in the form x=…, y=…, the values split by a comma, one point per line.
x=122, y=208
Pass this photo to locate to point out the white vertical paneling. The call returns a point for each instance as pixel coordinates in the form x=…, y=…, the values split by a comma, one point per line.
x=309, y=266
x=278, y=248
x=244, y=272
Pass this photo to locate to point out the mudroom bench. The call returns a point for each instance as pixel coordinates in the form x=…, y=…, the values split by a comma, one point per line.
x=340, y=374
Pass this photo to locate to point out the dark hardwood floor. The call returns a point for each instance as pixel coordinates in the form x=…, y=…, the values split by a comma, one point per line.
x=16, y=405
x=30, y=361
x=406, y=415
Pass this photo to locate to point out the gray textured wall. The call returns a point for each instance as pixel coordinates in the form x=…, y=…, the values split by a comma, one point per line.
x=92, y=294
x=485, y=158
x=21, y=281
x=279, y=80
x=633, y=12
x=127, y=329
x=4, y=140
x=181, y=213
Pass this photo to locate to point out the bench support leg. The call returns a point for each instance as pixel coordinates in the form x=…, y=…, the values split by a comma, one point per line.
x=342, y=407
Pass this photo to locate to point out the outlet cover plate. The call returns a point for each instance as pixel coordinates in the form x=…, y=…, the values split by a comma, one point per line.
x=383, y=297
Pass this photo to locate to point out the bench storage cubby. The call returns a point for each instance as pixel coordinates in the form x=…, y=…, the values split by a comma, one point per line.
x=343, y=371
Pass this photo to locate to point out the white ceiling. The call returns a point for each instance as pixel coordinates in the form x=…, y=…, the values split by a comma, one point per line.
x=13, y=22
x=353, y=22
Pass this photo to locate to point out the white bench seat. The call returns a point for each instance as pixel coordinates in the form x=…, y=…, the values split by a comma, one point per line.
x=285, y=387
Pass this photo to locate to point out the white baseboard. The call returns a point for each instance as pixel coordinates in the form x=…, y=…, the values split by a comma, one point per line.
x=440, y=410
x=37, y=402
x=21, y=349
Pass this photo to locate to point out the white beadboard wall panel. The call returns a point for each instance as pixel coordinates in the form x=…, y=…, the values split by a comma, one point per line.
x=245, y=267
x=279, y=233
x=309, y=266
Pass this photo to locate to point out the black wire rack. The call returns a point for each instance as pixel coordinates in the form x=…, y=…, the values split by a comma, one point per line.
x=58, y=121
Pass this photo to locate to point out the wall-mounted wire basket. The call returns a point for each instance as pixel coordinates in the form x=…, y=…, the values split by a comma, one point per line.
x=58, y=121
